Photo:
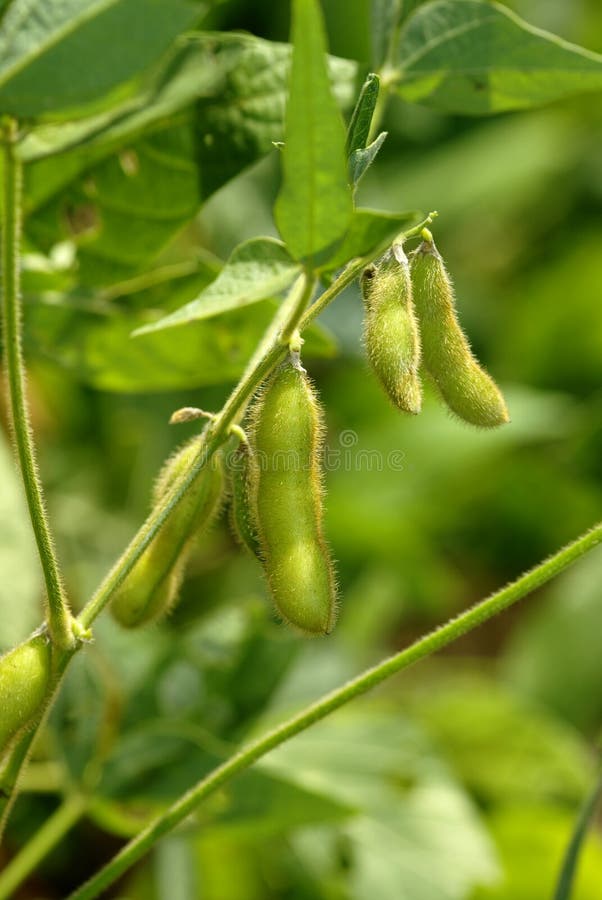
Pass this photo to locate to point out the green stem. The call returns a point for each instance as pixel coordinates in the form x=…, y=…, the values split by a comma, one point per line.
x=57, y=611
x=568, y=871
x=422, y=648
x=47, y=837
x=303, y=294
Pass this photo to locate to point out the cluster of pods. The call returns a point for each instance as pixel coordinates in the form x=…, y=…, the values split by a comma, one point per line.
x=275, y=473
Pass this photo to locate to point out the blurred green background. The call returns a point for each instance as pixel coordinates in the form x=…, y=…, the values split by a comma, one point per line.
x=462, y=778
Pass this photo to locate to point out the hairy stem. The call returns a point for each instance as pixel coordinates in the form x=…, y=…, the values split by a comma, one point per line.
x=57, y=611
x=48, y=836
x=369, y=679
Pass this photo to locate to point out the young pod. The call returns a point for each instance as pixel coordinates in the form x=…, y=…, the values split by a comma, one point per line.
x=151, y=588
x=390, y=329
x=467, y=389
x=286, y=497
x=24, y=680
x=241, y=518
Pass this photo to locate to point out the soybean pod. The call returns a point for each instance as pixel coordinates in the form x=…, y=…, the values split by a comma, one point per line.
x=390, y=329
x=151, y=588
x=465, y=386
x=241, y=517
x=25, y=674
x=286, y=495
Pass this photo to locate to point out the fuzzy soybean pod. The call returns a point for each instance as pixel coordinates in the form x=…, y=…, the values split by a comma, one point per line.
x=467, y=389
x=241, y=517
x=25, y=675
x=151, y=588
x=390, y=329
x=286, y=494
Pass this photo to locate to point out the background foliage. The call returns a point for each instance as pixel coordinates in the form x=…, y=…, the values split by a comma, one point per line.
x=463, y=779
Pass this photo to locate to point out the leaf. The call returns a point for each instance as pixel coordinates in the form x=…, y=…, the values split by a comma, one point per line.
x=361, y=119
x=56, y=58
x=415, y=835
x=122, y=210
x=503, y=748
x=256, y=269
x=477, y=58
x=369, y=230
x=239, y=83
x=155, y=183
x=385, y=16
x=314, y=206
x=96, y=345
x=361, y=160
x=186, y=73
x=152, y=766
x=20, y=609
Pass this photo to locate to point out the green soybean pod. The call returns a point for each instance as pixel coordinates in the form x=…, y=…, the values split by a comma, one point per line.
x=25, y=675
x=390, y=329
x=468, y=390
x=286, y=496
x=241, y=517
x=151, y=589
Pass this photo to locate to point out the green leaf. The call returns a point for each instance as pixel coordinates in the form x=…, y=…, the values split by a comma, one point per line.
x=477, y=58
x=20, y=610
x=369, y=230
x=361, y=160
x=155, y=183
x=314, y=206
x=376, y=762
x=361, y=119
x=58, y=57
x=384, y=18
x=93, y=341
x=503, y=748
x=120, y=211
x=186, y=74
x=257, y=269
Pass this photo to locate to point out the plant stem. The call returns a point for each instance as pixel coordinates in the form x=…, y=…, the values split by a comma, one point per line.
x=304, y=290
x=568, y=871
x=369, y=679
x=43, y=841
x=57, y=611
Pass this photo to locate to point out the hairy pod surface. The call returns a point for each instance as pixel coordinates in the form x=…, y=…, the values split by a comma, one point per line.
x=24, y=681
x=466, y=387
x=151, y=589
x=390, y=329
x=286, y=495
x=241, y=518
